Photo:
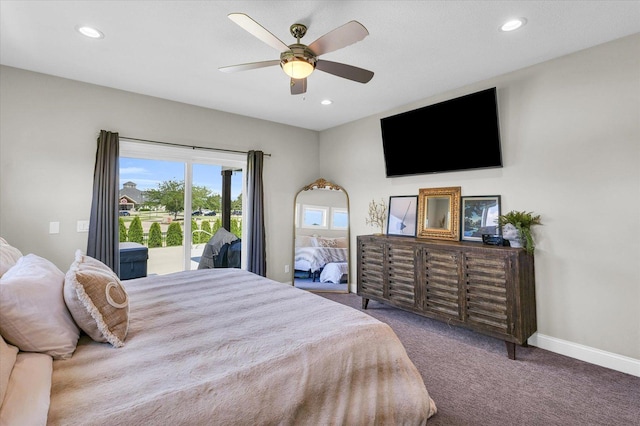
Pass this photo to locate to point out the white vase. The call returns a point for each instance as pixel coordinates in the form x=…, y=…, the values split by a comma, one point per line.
x=511, y=233
x=515, y=242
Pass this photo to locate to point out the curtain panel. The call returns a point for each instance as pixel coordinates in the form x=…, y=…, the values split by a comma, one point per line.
x=104, y=237
x=256, y=252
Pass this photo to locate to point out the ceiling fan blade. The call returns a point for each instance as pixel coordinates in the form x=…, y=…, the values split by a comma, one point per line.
x=349, y=33
x=258, y=31
x=298, y=87
x=249, y=66
x=345, y=71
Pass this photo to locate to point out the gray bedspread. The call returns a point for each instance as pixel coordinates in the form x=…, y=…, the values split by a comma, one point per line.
x=228, y=347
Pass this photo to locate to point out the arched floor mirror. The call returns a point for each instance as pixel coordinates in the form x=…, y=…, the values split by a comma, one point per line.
x=321, y=238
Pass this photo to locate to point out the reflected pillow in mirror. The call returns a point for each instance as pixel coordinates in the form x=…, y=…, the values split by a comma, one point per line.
x=339, y=242
x=306, y=241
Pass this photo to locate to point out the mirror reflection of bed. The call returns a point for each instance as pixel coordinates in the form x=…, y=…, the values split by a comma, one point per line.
x=321, y=238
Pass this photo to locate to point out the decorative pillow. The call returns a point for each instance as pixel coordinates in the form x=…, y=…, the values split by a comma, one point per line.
x=33, y=314
x=9, y=255
x=306, y=241
x=326, y=242
x=338, y=242
x=341, y=242
x=97, y=300
x=8, y=354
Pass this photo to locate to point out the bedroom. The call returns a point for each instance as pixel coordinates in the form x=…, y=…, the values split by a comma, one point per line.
x=570, y=151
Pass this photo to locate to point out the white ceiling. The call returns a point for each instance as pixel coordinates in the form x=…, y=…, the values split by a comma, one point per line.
x=417, y=49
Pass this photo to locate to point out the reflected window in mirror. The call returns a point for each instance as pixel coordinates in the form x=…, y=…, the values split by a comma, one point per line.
x=314, y=217
x=339, y=218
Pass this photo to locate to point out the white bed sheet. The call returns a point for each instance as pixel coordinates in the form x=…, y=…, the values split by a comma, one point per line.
x=26, y=402
x=314, y=258
x=333, y=272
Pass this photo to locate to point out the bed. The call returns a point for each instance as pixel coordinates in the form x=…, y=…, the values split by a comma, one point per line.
x=313, y=253
x=211, y=346
x=335, y=273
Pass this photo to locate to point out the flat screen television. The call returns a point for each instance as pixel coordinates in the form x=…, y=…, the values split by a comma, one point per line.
x=459, y=134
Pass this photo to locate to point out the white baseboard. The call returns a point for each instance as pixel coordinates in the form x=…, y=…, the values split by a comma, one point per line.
x=585, y=353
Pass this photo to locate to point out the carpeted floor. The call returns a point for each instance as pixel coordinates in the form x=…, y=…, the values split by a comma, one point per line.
x=473, y=382
x=310, y=284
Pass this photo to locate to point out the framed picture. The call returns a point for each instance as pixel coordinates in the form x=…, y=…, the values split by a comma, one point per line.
x=439, y=213
x=403, y=210
x=479, y=216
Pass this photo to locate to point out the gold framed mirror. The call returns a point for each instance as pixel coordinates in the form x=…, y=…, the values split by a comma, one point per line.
x=439, y=213
x=321, y=238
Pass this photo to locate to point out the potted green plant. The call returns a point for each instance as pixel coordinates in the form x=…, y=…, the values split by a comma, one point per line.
x=516, y=227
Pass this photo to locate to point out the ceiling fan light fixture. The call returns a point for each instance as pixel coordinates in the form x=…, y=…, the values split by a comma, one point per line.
x=296, y=67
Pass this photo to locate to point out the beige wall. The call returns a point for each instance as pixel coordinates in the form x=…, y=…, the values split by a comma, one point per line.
x=48, y=131
x=571, y=152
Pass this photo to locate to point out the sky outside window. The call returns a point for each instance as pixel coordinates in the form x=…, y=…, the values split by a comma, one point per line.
x=147, y=174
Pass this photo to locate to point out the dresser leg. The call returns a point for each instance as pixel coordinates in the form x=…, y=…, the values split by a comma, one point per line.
x=365, y=302
x=511, y=350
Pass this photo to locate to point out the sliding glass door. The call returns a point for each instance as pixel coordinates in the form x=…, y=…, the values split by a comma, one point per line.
x=171, y=201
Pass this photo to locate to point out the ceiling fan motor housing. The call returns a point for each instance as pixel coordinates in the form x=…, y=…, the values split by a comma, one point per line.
x=298, y=52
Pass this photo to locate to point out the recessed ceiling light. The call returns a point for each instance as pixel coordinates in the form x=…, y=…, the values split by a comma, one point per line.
x=326, y=102
x=89, y=32
x=513, y=24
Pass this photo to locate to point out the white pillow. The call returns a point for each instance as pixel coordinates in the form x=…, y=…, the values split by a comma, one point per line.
x=306, y=241
x=9, y=255
x=33, y=315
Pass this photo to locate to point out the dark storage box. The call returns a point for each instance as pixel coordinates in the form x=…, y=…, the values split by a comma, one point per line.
x=133, y=260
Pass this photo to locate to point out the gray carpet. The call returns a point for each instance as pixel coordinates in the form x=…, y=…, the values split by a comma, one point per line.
x=310, y=284
x=473, y=382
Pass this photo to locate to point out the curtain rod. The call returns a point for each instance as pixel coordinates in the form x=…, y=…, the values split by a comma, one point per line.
x=190, y=146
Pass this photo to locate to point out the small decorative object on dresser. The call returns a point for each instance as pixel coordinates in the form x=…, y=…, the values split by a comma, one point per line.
x=516, y=227
x=377, y=215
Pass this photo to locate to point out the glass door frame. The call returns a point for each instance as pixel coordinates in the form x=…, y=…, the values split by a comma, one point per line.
x=188, y=156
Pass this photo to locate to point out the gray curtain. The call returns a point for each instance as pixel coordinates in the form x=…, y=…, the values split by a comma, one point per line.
x=104, y=235
x=256, y=253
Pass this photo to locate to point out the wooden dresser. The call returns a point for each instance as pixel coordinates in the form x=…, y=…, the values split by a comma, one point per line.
x=488, y=289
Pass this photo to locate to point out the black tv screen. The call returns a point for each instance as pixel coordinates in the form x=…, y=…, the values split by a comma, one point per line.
x=459, y=134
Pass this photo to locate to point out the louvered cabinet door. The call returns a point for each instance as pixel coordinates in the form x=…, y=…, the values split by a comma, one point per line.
x=371, y=269
x=441, y=282
x=485, y=292
x=401, y=275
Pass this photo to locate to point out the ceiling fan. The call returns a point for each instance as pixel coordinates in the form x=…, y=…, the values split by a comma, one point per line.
x=298, y=60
